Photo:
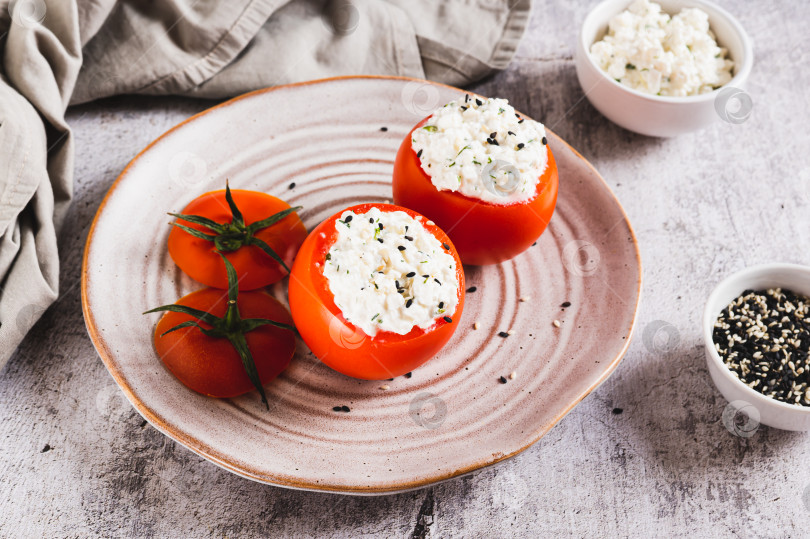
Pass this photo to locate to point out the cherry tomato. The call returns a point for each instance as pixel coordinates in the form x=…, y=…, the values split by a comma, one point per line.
x=483, y=233
x=199, y=259
x=340, y=344
x=211, y=365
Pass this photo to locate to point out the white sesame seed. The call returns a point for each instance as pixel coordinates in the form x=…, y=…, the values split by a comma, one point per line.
x=476, y=325
x=556, y=323
x=525, y=298
x=510, y=332
x=430, y=223
x=385, y=387
x=512, y=375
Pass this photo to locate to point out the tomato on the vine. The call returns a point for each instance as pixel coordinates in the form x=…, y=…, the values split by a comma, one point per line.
x=258, y=233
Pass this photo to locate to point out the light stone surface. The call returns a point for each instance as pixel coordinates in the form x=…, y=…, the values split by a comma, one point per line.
x=77, y=461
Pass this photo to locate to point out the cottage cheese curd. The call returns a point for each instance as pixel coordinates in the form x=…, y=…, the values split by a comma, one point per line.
x=652, y=52
x=388, y=273
x=482, y=149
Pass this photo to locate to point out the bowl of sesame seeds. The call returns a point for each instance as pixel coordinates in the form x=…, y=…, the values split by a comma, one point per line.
x=757, y=337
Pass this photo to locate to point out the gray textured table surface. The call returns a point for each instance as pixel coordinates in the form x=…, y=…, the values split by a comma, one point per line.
x=77, y=460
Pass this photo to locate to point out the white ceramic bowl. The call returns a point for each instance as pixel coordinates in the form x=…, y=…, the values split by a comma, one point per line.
x=772, y=412
x=660, y=116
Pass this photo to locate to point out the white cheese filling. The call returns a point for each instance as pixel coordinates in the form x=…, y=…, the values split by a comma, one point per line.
x=482, y=149
x=387, y=273
x=652, y=52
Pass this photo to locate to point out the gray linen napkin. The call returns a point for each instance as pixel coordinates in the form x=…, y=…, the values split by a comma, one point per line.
x=59, y=52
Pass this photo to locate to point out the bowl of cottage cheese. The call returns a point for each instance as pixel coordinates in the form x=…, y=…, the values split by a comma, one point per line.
x=664, y=68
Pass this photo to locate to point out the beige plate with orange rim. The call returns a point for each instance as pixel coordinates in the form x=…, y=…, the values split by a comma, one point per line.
x=336, y=139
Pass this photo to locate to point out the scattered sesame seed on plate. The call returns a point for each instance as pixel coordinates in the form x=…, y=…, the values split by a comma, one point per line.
x=510, y=332
x=477, y=325
x=385, y=387
x=525, y=298
x=512, y=375
x=556, y=323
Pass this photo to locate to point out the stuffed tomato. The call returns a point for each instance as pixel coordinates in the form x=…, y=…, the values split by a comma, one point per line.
x=376, y=290
x=483, y=173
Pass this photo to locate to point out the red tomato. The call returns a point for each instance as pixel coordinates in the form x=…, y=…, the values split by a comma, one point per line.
x=212, y=366
x=199, y=259
x=483, y=233
x=343, y=346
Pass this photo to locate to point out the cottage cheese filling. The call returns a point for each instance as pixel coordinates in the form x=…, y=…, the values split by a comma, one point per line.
x=387, y=273
x=652, y=52
x=482, y=149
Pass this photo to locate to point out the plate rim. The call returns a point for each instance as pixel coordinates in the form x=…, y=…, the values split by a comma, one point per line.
x=202, y=449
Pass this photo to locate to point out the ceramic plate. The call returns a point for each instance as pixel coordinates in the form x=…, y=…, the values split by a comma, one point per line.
x=336, y=139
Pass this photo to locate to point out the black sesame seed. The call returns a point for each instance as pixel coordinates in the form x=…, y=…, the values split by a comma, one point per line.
x=441, y=305
x=503, y=334
x=409, y=303
x=408, y=374
x=419, y=153
x=617, y=411
x=347, y=219
x=337, y=409
x=371, y=220
x=411, y=274
x=502, y=379
x=565, y=304
x=478, y=102
x=763, y=337
x=345, y=408
x=520, y=121
x=493, y=134
x=380, y=240
x=438, y=281
x=520, y=146
x=447, y=247
x=381, y=226
x=463, y=107
x=401, y=247
x=408, y=238
x=291, y=186
x=383, y=129
x=511, y=133
x=545, y=141
x=425, y=276
x=448, y=319
x=472, y=289
x=397, y=284
x=466, y=98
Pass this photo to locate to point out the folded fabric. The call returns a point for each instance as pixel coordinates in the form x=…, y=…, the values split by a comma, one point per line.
x=59, y=52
